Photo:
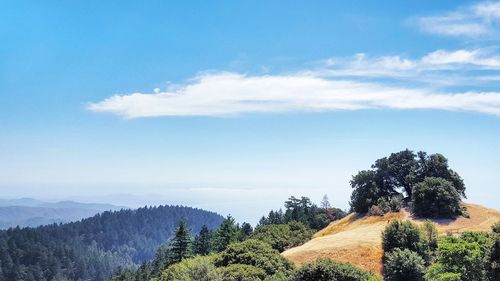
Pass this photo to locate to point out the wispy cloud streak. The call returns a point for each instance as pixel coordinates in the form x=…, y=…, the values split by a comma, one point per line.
x=221, y=94
x=475, y=21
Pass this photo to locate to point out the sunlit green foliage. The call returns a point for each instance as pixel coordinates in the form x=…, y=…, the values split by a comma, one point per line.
x=200, y=268
x=282, y=236
x=255, y=253
x=328, y=270
x=403, y=265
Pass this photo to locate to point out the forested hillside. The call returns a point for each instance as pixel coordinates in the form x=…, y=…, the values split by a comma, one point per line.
x=235, y=252
x=93, y=248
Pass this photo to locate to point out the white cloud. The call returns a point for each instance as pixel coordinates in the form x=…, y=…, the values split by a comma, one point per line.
x=220, y=94
x=478, y=20
x=434, y=67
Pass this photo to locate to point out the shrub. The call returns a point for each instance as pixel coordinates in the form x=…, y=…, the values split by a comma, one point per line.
x=396, y=203
x=458, y=256
x=436, y=197
x=255, y=253
x=241, y=272
x=386, y=205
x=494, y=259
x=437, y=273
x=404, y=235
x=431, y=234
x=200, y=268
x=403, y=265
x=375, y=211
x=328, y=270
x=280, y=276
x=496, y=227
x=282, y=236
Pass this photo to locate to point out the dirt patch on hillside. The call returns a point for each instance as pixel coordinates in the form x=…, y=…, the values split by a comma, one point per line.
x=357, y=239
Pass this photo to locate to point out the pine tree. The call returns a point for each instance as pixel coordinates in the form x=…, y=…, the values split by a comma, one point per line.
x=202, y=242
x=181, y=243
x=325, y=204
x=226, y=234
x=246, y=230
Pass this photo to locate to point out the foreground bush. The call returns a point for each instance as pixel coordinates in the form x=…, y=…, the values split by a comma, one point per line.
x=403, y=265
x=242, y=272
x=458, y=256
x=436, y=197
x=282, y=236
x=404, y=235
x=437, y=273
x=328, y=270
x=199, y=268
x=255, y=253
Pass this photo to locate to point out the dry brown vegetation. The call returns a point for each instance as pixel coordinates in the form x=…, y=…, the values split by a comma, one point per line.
x=357, y=239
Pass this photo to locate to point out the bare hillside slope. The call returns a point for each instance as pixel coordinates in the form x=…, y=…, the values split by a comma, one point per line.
x=357, y=239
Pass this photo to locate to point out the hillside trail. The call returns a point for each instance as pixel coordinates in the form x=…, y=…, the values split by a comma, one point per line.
x=358, y=239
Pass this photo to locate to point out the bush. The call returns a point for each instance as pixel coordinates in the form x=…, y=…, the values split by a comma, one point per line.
x=455, y=255
x=404, y=235
x=386, y=205
x=282, y=236
x=328, y=270
x=431, y=234
x=375, y=210
x=494, y=259
x=280, y=276
x=436, y=273
x=403, y=265
x=496, y=227
x=242, y=272
x=200, y=268
x=255, y=253
x=396, y=203
x=436, y=197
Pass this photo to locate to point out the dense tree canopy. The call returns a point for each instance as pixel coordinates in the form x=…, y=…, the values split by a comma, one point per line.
x=461, y=257
x=304, y=211
x=93, y=248
x=402, y=173
x=436, y=197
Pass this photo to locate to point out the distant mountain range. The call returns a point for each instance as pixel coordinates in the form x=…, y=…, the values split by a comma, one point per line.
x=30, y=212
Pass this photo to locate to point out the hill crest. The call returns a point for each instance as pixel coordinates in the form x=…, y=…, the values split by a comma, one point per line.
x=357, y=238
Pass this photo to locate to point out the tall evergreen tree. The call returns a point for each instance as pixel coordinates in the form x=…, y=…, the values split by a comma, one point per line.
x=181, y=242
x=202, y=242
x=246, y=230
x=226, y=234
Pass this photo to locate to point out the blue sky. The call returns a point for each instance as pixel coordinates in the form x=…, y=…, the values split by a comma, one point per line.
x=235, y=105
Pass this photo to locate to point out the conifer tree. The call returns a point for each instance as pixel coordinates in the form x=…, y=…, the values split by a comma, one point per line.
x=181, y=243
x=226, y=234
x=202, y=242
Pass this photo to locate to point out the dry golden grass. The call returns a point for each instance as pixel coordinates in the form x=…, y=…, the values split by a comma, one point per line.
x=357, y=239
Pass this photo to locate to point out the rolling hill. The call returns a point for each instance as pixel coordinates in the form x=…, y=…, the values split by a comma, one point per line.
x=357, y=238
x=93, y=248
x=28, y=212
